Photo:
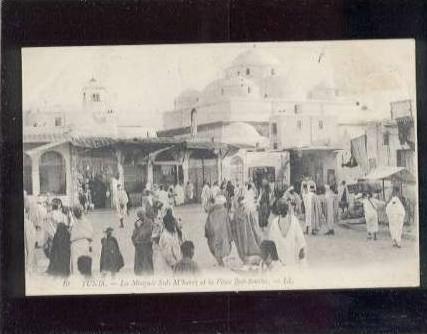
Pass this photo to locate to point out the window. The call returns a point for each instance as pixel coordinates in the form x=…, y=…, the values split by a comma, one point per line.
x=248, y=71
x=272, y=71
x=238, y=73
x=222, y=91
x=249, y=90
x=95, y=97
x=274, y=128
x=320, y=125
x=27, y=174
x=52, y=173
x=386, y=138
x=275, y=145
x=372, y=163
x=58, y=121
x=299, y=124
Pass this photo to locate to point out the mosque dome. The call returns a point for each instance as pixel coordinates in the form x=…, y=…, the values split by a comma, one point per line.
x=187, y=99
x=315, y=79
x=243, y=134
x=255, y=57
x=281, y=87
x=254, y=64
x=230, y=87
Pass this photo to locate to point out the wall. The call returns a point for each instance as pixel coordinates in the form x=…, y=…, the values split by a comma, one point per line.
x=378, y=153
x=289, y=134
x=242, y=110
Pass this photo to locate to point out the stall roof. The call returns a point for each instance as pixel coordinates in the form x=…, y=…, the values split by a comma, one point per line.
x=388, y=173
x=153, y=143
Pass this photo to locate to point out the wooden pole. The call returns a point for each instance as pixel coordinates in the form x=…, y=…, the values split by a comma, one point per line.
x=203, y=170
x=383, y=191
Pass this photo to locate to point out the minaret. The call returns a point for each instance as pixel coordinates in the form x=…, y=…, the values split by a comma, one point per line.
x=95, y=101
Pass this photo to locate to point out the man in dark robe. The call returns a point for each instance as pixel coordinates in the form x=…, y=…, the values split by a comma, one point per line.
x=246, y=232
x=60, y=252
x=230, y=194
x=141, y=239
x=218, y=230
x=111, y=257
x=264, y=207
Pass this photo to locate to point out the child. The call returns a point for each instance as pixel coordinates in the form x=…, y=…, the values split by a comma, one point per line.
x=186, y=266
x=270, y=259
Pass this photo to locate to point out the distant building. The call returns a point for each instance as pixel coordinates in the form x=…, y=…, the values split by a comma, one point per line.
x=60, y=145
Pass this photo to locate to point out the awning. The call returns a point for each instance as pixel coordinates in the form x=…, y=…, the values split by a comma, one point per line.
x=316, y=148
x=391, y=173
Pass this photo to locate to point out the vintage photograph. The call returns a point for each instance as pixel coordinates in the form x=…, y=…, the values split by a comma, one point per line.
x=220, y=167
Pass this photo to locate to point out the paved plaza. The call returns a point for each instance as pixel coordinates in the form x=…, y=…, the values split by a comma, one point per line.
x=348, y=247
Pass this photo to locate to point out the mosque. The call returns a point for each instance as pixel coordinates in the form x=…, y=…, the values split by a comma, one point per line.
x=273, y=114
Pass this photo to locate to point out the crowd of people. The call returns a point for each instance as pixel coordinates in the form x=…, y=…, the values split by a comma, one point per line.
x=263, y=224
x=66, y=236
x=268, y=218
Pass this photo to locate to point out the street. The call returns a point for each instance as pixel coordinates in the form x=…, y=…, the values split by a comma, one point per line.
x=349, y=246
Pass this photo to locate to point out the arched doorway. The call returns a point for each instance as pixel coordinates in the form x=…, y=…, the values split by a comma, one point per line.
x=27, y=170
x=236, y=172
x=52, y=173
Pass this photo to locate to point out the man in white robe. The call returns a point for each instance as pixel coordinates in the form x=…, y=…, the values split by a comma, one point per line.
x=215, y=190
x=30, y=244
x=189, y=192
x=121, y=204
x=288, y=236
x=179, y=194
x=330, y=210
x=395, y=214
x=163, y=197
x=205, y=196
x=370, y=208
x=307, y=207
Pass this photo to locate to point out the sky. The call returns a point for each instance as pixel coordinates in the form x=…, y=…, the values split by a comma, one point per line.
x=144, y=80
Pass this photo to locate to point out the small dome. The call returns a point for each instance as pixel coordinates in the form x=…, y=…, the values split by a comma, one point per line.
x=93, y=84
x=231, y=87
x=382, y=81
x=244, y=134
x=187, y=99
x=189, y=93
x=255, y=57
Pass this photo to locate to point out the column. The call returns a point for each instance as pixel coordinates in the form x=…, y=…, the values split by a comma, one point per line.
x=219, y=166
x=35, y=174
x=150, y=178
x=68, y=180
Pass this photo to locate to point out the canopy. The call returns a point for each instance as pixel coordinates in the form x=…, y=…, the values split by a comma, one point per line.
x=391, y=173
